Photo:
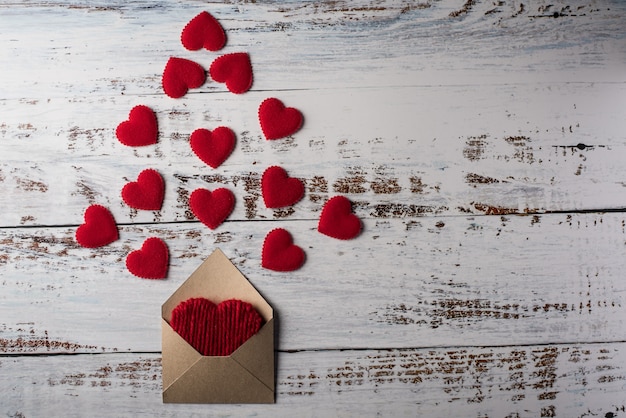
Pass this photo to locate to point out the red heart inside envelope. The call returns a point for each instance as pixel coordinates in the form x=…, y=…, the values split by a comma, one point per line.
x=215, y=330
x=203, y=31
x=278, y=121
x=149, y=262
x=212, y=207
x=337, y=219
x=146, y=193
x=233, y=69
x=140, y=129
x=279, y=252
x=213, y=147
x=99, y=228
x=280, y=190
x=180, y=75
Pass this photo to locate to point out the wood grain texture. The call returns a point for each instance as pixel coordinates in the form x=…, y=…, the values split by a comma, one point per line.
x=440, y=281
x=416, y=155
x=514, y=381
x=481, y=142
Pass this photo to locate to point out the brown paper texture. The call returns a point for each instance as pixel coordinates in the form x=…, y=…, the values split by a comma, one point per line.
x=247, y=375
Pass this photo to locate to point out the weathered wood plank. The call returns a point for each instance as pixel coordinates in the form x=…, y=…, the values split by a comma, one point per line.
x=301, y=44
x=426, y=114
x=397, y=152
x=516, y=381
x=437, y=281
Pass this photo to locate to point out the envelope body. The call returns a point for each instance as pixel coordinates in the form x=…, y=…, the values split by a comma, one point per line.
x=245, y=376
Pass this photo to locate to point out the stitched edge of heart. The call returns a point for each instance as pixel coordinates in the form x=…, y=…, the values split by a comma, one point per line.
x=338, y=221
x=238, y=80
x=189, y=320
x=145, y=202
x=157, y=263
x=272, y=195
x=267, y=119
x=211, y=41
x=83, y=232
x=195, y=139
x=126, y=132
x=227, y=207
x=272, y=258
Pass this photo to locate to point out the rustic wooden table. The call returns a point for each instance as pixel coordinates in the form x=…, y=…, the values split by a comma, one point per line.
x=483, y=145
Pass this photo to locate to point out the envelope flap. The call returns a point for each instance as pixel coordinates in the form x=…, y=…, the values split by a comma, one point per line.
x=257, y=355
x=178, y=355
x=217, y=279
x=217, y=380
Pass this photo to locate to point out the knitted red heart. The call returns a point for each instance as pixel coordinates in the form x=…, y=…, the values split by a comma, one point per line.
x=99, y=228
x=215, y=330
x=140, y=129
x=146, y=193
x=233, y=69
x=280, y=190
x=279, y=252
x=213, y=147
x=337, y=219
x=180, y=75
x=278, y=121
x=151, y=261
x=212, y=208
x=203, y=31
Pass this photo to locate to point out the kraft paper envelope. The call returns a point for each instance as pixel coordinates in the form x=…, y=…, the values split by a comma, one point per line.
x=247, y=375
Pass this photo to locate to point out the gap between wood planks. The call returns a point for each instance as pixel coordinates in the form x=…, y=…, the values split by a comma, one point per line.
x=214, y=89
x=326, y=350
x=509, y=212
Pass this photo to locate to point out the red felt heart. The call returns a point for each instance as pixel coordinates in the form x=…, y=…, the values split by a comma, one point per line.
x=215, y=330
x=213, y=147
x=279, y=252
x=337, y=219
x=151, y=261
x=180, y=75
x=212, y=208
x=278, y=121
x=203, y=31
x=99, y=228
x=140, y=129
x=146, y=193
x=280, y=190
x=233, y=69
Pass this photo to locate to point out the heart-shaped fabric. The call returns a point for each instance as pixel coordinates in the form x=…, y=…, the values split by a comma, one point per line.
x=212, y=207
x=146, y=193
x=180, y=75
x=233, y=69
x=215, y=330
x=337, y=219
x=140, y=129
x=278, y=121
x=203, y=31
x=280, y=253
x=151, y=261
x=99, y=228
x=280, y=190
x=213, y=147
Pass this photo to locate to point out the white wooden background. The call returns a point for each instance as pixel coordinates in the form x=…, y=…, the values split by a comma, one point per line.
x=483, y=143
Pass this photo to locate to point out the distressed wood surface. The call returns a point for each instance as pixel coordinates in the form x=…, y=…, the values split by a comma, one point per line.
x=481, y=142
x=440, y=281
x=483, y=155
x=514, y=381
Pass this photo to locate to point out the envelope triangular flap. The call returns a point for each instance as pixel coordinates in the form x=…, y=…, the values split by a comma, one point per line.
x=217, y=279
x=178, y=355
x=260, y=345
x=227, y=382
